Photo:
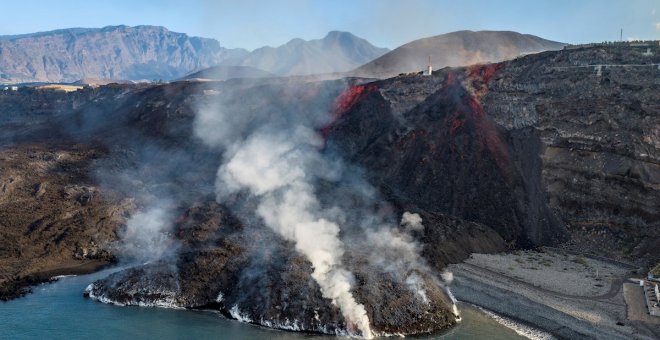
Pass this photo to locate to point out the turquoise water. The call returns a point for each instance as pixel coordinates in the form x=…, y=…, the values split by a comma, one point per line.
x=59, y=311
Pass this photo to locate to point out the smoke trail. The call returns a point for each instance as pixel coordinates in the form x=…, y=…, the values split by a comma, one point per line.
x=277, y=156
x=411, y=222
x=278, y=169
x=146, y=235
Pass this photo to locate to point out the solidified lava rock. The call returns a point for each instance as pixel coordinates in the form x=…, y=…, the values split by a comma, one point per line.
x=445, y=154
x=249, y=273
x=44, y=230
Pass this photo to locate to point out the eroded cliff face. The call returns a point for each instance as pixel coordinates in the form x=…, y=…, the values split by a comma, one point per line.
x=113, y=52
x=431, y=143
x=599, y=124
x=520, y=153
x=562, y=140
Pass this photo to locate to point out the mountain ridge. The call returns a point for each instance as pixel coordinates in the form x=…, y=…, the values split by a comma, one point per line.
x=336, y=52
x=117, y=52
x=455, y=49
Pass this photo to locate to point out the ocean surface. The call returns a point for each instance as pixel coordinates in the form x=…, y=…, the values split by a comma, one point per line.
x=59, y=311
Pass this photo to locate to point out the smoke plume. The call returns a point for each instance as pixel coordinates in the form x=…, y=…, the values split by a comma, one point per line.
x=146, y=237
x=277, y=169
x=411, y=222
x=280, y=161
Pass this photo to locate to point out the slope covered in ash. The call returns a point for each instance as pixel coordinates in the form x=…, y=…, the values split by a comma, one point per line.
x=446, y=154
x=562, y=138
x=454, y=49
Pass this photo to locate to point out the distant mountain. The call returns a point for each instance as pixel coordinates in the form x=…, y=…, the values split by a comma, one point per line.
x=113, y=52
x=222, y=72
x=456, y=49
x=337, y=52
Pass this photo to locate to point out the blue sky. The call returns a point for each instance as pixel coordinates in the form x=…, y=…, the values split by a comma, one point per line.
x=387, y=23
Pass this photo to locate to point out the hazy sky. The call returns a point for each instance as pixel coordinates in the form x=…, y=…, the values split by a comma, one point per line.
x=386, y=23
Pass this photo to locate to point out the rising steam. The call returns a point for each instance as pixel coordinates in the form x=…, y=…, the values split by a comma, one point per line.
x=278, y=159
x=277, y=169
x=146, y=235
x=277, y=162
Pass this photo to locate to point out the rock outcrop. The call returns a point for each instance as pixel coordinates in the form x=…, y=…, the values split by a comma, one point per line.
x=249, y=273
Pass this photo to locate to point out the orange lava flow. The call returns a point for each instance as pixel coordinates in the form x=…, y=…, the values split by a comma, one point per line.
x=480, y=76
x=470, y=111
x=345, y=102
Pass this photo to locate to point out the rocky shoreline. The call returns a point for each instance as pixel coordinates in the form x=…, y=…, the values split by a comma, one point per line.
x=578, y=315
x=22, y=286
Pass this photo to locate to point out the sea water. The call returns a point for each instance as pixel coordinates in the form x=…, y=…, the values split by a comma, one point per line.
x=60, y=311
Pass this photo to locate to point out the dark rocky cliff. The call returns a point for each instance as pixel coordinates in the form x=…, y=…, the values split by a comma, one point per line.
x=445, y=154
x=529, y=152
x=600, y=130
x=526, y=146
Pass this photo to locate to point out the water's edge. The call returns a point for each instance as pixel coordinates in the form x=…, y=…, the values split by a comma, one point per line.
x=59, y=310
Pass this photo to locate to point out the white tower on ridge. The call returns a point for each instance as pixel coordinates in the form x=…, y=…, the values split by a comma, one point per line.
x=429, y=71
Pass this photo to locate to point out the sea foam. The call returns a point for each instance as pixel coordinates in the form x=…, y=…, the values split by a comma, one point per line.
x=521, y=329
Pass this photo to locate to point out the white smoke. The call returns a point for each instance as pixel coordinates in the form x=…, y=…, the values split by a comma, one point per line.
x=278, y=169
x=277, y=158
x=447, y=277
x=147, y=234
x=397, y=252
x=412, y=222
x=415, y=283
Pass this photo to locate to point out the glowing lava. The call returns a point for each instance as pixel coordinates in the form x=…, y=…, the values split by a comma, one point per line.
x=469, y=113
x=345, y=102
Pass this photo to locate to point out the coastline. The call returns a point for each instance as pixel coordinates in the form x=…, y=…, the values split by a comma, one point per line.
x=21, y=286
x=579, y=316
x=520, y=327
x=531, y=311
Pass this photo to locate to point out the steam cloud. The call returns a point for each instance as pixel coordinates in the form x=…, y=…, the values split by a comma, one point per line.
x=146, y=235
x=277, y=158
x=411, y=222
